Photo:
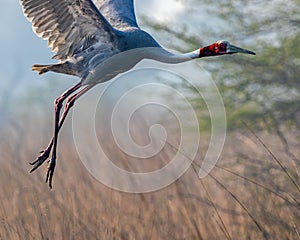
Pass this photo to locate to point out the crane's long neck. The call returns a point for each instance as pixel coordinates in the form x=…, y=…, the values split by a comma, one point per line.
x=169, y=57
x=162, y=55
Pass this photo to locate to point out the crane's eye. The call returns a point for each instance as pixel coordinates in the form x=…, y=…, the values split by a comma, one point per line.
x=223, y=47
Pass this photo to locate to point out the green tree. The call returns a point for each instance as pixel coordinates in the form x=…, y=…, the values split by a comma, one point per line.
x=265, y=88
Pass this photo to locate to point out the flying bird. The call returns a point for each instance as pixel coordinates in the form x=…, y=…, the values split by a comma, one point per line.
x=88, y=38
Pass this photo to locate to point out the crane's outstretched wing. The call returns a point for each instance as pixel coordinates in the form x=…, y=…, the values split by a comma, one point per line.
x=120, y=13
x=70, y=26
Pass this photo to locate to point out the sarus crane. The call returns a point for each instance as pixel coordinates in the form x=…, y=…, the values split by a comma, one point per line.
x=84, y=35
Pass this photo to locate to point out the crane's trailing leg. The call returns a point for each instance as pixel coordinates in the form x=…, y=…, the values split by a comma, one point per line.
x=69, y=104
x=58, y=105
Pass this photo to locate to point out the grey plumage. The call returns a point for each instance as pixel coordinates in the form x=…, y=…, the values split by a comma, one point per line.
x=83, y=33
x=70, y=26
x=120, y=13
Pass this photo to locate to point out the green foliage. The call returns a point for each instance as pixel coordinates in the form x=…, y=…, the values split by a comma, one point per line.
x=269, y=83
x=263, y=89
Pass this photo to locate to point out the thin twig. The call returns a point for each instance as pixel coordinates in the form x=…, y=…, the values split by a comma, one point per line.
x=273, y=156
x=223, y=227
x=216, y=210
x=263, y=187
x=227, y=190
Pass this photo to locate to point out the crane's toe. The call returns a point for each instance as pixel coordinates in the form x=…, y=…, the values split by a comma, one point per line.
x=50, y=171
x=44, y=155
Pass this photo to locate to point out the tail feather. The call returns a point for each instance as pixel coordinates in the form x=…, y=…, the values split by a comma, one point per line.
x=65, y=68
x=41, y=68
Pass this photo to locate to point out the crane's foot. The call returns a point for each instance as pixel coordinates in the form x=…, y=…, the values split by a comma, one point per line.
x=44, y=155
x=50, y=171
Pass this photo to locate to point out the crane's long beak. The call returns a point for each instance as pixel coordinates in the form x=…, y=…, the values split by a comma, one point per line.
x=234, y=49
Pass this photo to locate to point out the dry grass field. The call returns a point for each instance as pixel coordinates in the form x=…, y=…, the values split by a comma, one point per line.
x=246, y=196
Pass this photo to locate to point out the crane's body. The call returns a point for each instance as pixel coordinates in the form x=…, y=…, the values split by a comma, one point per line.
x=98, y=63
x=95, y=41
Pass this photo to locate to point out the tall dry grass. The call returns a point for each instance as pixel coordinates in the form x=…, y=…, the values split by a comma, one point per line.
x=246, y=196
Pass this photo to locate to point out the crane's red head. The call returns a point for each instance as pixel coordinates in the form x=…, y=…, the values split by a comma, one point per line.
x=221, y=48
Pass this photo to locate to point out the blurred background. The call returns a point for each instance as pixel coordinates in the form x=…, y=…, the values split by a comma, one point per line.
x=254, y=191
